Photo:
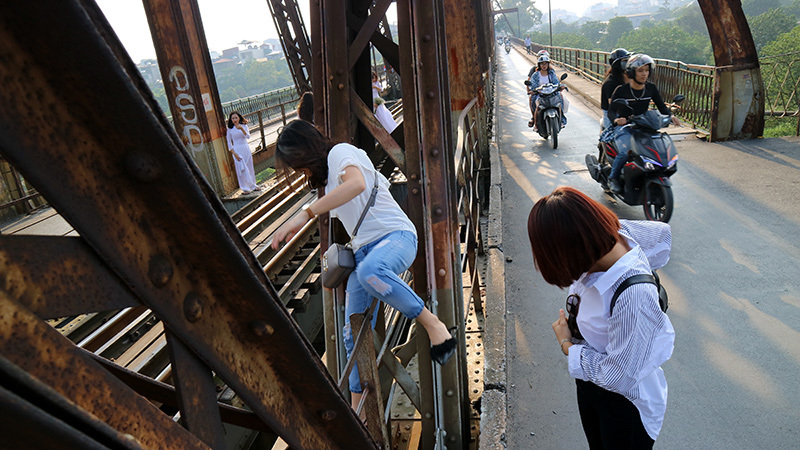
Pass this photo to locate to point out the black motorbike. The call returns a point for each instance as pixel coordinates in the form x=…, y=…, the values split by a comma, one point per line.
x=508, y=48
x=652, y=159
x=549, y=112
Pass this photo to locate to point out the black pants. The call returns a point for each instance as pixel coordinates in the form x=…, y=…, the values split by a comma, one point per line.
x=610, y=420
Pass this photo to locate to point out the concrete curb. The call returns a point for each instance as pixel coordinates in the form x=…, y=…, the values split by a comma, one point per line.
x=494, y=400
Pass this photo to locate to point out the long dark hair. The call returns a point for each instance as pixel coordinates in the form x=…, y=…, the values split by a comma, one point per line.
x=301, y=146
x=305, y=108
x=242, y=120
x=569, y=233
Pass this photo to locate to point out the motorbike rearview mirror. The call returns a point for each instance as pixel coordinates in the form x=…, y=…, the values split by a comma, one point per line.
x=528, y=82
x=564, y=76
x=678, y=98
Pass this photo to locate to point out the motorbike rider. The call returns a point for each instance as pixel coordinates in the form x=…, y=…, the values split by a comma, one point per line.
x=639, y=92
x=542, y=75
x=615, y=77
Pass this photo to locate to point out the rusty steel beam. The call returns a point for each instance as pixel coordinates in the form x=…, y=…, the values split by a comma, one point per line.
x=738, y=99
x=137, y=199
x=53, y=263
x=294, y=41
x=191, y=87
x=75, y=379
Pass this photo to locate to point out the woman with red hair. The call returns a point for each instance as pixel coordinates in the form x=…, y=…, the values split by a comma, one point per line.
x=614, y=352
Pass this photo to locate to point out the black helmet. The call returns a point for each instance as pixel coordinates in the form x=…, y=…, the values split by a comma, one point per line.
x=636, y=61
x=617, y=58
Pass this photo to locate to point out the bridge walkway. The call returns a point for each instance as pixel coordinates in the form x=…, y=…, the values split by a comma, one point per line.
x=732, y=281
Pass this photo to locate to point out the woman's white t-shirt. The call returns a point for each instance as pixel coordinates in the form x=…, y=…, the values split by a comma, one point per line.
x=384, y=217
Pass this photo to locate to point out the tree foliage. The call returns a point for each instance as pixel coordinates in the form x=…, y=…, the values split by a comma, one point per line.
x=617, y=27
x=785, y=43
x=668, y=41
x=251, y=78
x=758, y=7
x=528, y=14
x=768, y=26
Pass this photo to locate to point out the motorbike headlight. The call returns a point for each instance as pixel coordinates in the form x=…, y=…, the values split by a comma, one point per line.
x=650, y=164
x=673, y=161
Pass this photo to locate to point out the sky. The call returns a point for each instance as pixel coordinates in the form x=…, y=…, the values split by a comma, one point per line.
x=228, y=22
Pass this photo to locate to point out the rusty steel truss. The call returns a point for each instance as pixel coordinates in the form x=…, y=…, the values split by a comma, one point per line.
x=153, y=232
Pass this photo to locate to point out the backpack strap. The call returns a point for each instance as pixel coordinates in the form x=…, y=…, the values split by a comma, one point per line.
x=630, y=281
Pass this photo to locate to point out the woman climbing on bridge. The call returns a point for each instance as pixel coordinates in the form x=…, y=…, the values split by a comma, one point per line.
x=386, y=242
x=238, y=134
x=614, y=354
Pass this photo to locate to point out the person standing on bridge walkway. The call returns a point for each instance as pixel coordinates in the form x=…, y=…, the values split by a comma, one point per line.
x=238, y=145
x=386, y=242
x=614, y=355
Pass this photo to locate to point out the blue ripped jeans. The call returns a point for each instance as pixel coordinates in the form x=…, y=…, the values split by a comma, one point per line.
x=377, y=267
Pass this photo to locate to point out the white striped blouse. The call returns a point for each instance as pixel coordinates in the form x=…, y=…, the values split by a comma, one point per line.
x=623, y=352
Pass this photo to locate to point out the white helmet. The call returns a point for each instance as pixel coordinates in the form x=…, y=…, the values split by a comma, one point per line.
x=543, y=58
x=543, y=52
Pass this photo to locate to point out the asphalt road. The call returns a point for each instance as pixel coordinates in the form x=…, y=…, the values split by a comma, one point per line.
x=734, y=377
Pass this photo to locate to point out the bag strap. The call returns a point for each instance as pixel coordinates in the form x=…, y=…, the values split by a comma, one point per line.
x=630, y=281
x=370, y=202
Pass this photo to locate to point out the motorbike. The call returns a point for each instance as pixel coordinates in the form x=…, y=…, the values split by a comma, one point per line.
x=508, y=48
x=549, y=111
x=650, y=163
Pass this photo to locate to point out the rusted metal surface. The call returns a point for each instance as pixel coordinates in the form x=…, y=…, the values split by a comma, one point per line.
x=53, y=264
x=738, y=105
x=364, y=355
x=440, y=241
x=191, y=88
x=194, y=384
x=466, y=65
x=294, y=40
x=135, y=197
x=81, y=381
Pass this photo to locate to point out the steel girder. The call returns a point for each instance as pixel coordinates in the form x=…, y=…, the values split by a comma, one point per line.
x=738, y=104
x=113, y=167
x=426, y=158
x=294, y=40
x=191, y=87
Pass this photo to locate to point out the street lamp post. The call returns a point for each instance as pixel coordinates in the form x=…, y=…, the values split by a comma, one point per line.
x=550, y=16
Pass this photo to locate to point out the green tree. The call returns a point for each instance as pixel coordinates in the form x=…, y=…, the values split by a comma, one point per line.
x=593, y=31
x=617, y=27
x=785, y=43
x=690, y=19
x=527, y=13
x=668, y=41
x=758, y=7
x=768, y=26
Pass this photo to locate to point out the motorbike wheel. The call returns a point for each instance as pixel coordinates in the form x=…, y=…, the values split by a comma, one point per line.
x=658, y=202
x=552, y=124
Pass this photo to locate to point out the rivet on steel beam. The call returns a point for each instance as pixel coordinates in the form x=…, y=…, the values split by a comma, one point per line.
x=430, y=94
x=428, y=415
x=330, y=77
x=193, y=307
x=328, y=415
x=159, y=270
x=261, y=328
x=435, y=152
x=426, y=38
x=414, y=176
x=449, y=392
x=442, y=272
x=438, y=211
x=415, y=191
x=341, y=86
x=142, y=166
x=452, y=438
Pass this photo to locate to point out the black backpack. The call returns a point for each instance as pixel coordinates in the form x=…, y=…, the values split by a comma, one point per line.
x=663, y=299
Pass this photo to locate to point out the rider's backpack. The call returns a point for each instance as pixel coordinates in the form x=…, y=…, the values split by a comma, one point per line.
x=663, y=299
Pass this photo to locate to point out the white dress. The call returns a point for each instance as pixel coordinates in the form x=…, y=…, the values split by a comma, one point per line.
x=385, y=118
x=237, y=142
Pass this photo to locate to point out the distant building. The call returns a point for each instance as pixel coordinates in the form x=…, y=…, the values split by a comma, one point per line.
x=148, y=68
x=224, y=63
x=231, y=53
x=214, y=55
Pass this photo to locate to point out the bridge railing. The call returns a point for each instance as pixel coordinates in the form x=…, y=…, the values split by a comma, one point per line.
x=694, y=81
x=781, y=75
